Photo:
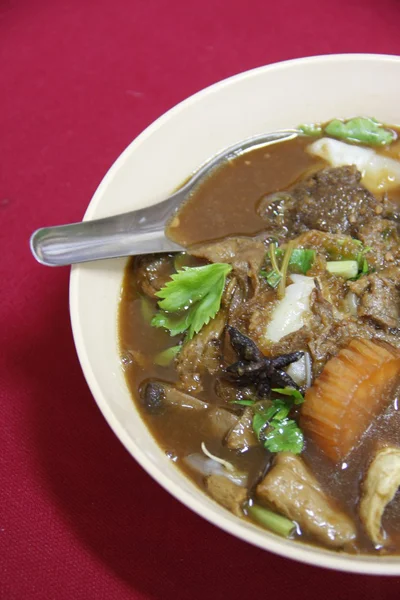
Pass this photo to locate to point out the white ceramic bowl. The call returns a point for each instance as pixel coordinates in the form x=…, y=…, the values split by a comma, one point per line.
x=265, y=99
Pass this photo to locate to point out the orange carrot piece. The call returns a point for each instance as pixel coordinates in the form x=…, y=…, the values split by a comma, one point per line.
x=352, y=389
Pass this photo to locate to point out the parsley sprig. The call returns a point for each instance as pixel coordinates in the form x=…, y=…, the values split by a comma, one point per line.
x=191, y=298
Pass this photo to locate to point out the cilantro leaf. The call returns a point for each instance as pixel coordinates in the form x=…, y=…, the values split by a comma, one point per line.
x=288, y=391
x=195, y=295
x=274, y=429
x=191, y=285
x=361, y=129
x=278, y=409
x=284, y=436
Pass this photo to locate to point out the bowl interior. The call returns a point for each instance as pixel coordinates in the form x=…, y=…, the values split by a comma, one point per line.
x=266, y=99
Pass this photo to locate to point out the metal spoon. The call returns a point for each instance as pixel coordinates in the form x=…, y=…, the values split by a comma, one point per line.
x=136, y=232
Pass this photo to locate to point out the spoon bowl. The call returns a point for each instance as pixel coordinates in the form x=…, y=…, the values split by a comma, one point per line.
x=137, y=232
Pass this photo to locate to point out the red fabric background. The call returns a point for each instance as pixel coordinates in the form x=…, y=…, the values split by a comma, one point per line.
x=79, y=80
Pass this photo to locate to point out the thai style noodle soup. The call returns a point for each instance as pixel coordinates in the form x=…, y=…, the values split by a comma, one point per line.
x=265, y=358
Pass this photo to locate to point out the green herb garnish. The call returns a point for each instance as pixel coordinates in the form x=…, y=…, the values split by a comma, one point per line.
x=301, y=260
x=348, y=269
x=313, y=129
x=243, y=402
x=362, y=130
x=284, y=436
x=272, y=277
x=164, y=358
x=191, y=298
x=271, y=520
x=288, y=391
x=274, y=429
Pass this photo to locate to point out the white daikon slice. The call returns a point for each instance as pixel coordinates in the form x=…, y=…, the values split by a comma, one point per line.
x=290, y=313
x=379, y=173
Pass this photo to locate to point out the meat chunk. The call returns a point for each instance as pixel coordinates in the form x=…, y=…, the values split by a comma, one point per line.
x=157, y=395
x=379, y=300
x=242, y=436
x=294, y=491
x=201, y=354
x=152, y=272
x=246, y=255
x=378, y=489
x=382, y=235
x=226, y=493
x=331, y=200
x=221, y=421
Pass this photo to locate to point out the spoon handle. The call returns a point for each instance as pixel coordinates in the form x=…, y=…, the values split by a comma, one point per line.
x=136, y=232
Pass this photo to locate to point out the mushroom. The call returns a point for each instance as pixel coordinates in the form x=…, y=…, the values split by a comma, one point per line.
x=378, y=489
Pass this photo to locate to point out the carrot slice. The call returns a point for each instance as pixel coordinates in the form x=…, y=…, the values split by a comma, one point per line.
x=352, y=389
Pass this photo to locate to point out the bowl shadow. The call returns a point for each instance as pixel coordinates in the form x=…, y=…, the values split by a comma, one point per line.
x=154, y=544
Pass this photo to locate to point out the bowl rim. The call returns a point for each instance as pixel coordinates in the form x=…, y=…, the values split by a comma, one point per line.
x=305, y=553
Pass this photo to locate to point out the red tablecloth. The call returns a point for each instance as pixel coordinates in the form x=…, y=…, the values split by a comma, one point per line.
x=79, y=519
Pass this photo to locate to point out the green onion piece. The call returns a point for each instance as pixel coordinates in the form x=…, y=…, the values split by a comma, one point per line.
x=270, y=520
x=284, y=269
x=273, y=278
x=146, y=309
x=343, y=268
x=313, y=129
x=164, y=358
x=243, y=402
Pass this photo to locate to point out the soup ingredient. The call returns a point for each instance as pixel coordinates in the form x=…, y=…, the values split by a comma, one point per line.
x=378, y=489
x=271, y=520
x=348, y=269
x=195, y=294
x=291, y=312
x=379, y=298
x=294, y=491
x=343, y=203
x=314, y=129
x=301, y=260
x=354, y=386
x=201, y=354
x=242, y=436
x=165, y=358
x=152, y=273
x=208, y=466
x=157, y=396
x=229, y=466
x=246, y=256
x=379, y=173
x=273, y=428
x=361, y=129
x=253, y=368
x=227, y=493
x=301, y=371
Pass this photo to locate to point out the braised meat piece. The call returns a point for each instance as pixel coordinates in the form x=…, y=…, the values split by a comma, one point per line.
x=228, y=494
x=295, y=492
x=242, y=436
x=379, y=300
x=331, y=200
x=152, y=272
x=246, y=255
